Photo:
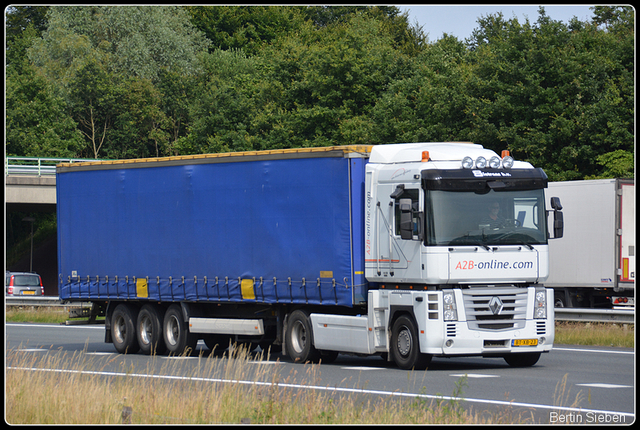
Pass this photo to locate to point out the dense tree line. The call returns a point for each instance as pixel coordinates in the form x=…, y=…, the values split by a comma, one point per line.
x=143, y=81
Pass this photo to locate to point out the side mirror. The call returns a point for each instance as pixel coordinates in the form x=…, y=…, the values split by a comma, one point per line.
x=558, y=218
x=406, y=219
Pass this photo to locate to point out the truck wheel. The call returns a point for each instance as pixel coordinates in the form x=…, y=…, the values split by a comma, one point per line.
x=149, y=330
x=298, y=338
x=522, y=359
x=177, y=337
x=405, y=347
x=123, y=330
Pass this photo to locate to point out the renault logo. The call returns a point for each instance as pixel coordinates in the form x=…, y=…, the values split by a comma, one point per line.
x=495, y=304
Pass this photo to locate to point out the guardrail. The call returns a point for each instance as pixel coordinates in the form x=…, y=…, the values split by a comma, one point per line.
x=36, y=166
x=561, y=314
x=595, y=315
x=40, y=301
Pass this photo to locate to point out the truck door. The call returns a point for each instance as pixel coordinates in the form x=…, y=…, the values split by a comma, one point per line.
x=408, y=230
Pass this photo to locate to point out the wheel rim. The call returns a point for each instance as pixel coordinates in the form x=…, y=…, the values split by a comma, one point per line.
x=146, y=330
x=120, y=330
x=405, y=341
x=173, y=330
x=299, y=337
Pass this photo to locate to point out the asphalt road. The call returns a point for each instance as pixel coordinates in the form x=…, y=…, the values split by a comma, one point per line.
x=598, y=383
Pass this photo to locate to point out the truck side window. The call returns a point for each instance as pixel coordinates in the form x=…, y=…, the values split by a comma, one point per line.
x=414, y=196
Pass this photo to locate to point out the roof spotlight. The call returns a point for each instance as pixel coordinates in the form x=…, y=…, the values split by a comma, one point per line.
x=494, y=162
x=467, y=162
x=481, y=162
x=507, y=162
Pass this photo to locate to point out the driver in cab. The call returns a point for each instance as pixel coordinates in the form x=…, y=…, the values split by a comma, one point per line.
x=493, y=220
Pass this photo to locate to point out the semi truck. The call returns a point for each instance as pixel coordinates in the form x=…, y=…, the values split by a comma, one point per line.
x=593, y=266
x=383, y=249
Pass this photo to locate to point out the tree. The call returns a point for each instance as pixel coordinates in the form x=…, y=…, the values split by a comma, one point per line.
x=100, y=59
x=249, y=28
x=557, y=96
x=23, y=23
x=37, y=123
x=136, y=41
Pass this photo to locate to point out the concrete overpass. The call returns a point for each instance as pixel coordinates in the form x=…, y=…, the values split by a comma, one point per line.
x=30, y=193
x=30, y=183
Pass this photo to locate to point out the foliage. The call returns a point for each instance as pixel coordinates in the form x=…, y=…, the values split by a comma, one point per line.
x=140, y=81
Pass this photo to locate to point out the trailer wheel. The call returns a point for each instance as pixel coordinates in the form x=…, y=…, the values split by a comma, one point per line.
x=149, y=330
x=177, y=337
x=522, y=359
x=405, y=347
x=298, y=338
x=123, y=330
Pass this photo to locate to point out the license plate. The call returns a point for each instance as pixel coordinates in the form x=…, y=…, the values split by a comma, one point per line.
x=28, y=293
x=524, y=342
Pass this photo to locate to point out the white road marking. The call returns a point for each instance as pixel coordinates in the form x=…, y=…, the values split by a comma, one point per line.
x=605, y=385
x=359, y=368
x=473, y=375
x=603, y=351
x=33, y=350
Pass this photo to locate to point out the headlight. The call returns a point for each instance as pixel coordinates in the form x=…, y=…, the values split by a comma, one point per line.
x=540, y=309
x=481, y=162
x=449, y=309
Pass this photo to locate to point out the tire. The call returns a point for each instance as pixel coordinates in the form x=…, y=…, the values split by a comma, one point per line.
x=405, y=346
x=123, y=329
x=149, y=330
x=175, y=331
x=527, y=359
x=299, y=341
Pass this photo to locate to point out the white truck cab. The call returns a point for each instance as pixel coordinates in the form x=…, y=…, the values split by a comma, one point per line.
x=456, y=241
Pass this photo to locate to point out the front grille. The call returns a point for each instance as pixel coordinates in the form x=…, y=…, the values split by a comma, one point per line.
x=541, y=328
x=495, y=308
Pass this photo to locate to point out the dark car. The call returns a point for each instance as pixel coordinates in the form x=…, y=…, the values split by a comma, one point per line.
x=23, y=284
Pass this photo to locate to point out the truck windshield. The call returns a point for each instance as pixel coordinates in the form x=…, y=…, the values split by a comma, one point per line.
x=495, y=218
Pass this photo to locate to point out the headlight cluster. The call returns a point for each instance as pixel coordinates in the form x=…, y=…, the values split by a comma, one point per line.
x=540, y=309
x=494, y=162
x=449, y=310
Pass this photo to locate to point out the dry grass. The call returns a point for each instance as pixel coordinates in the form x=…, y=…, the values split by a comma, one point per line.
x=595, y=334
x=73, y=395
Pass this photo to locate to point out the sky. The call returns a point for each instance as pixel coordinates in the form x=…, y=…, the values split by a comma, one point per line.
x=461, y=20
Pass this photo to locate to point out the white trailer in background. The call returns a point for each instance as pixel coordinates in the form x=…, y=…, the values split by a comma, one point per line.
x=594, y=263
